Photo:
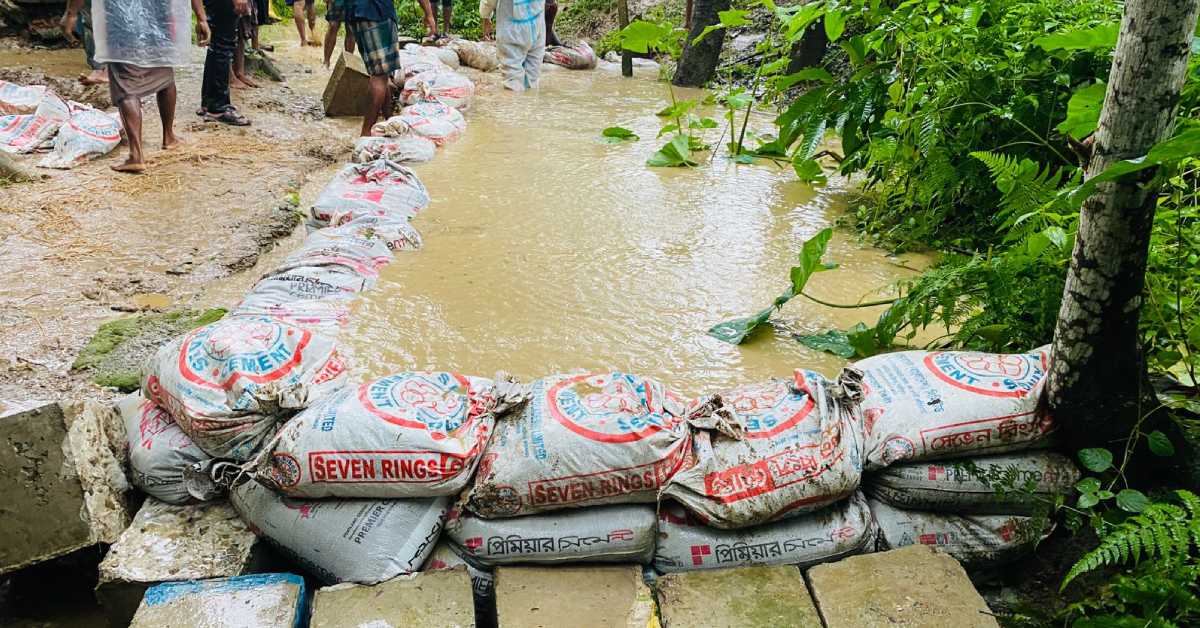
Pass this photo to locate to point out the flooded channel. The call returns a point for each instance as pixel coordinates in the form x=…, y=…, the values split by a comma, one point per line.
x=547, y=250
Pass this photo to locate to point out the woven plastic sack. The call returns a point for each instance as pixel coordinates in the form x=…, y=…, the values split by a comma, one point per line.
x=228, y=383
x=1005, y=484
x=579, y=56
x=437, y=122
x=480, y=55
x=921, y=405
x=416, y=434
x=402, y=150
x=584, y=440
x=378, y=188
x=19, y=99
x=445, y=55
x=29, y=132
x=345, y=540
x=148, y=33
x=839, y=530
x=312, y=297
x=159, y=451
x=446, y=87
x=799, y=448
x=616, y=534
x=88, y=133
x=975, y=540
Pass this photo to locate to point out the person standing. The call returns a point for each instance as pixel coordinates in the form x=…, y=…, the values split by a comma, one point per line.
x=305, y=14
x=551, y=13
x=520, y=39
x=334, y=16
x=223, y=17
x=141, y=42
x=82, y=30
x=447, y=17
x=373, y=23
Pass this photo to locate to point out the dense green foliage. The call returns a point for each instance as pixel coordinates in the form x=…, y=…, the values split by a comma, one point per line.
x=410, y=21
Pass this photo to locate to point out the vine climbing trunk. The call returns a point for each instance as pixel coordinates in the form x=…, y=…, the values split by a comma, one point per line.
x=1098, y=384
x=698, y=64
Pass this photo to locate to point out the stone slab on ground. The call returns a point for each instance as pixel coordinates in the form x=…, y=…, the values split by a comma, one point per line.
x=431, y=599
x=171, y=543
x=61, y=483
x=346, y=93
x=582, y=597
x=274, y=600
x=910, y=586
x=746, y=597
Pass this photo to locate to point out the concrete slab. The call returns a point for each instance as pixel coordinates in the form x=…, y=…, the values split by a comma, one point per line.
x=911, y=586
x=346, y=92
x=748, y=597
x=170, y=543
x=274, y=600
x=581, y=597
x=431, y=599
x=61, y=484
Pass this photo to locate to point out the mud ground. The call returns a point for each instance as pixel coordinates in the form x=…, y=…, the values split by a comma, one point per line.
x=84, y=246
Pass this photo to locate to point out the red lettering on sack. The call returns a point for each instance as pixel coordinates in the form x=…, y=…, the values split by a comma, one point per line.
x=586, y=487
x=793, y=465
x=383, y=467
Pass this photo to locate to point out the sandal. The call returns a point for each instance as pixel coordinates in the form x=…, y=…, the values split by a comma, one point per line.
x=230, y=116
x=430, y=39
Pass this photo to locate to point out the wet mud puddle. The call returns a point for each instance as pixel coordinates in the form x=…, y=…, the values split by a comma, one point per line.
x=548, y=251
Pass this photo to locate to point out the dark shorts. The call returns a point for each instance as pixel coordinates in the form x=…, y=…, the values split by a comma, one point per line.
x=377, y=45
x=334, y=11
x=446, y=4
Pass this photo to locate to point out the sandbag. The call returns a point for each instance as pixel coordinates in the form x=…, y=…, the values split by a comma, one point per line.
x=27, y=133
x=311, y=297
x=448, y=88
x=437, y=122
x=1006, y=484
x=88, y=133
x=345, y=540
x=159, y=451
x=358, y=249
x=922, y=405
x=579, y=56
x=583, y=440
x=614, y=534
x=975, y=540
x=839, y=530
x=480, y=55
x=416, y=434
x=19, y=99
x=376, y=188
x=799, y=449
x=402, y=150
x=228, y=383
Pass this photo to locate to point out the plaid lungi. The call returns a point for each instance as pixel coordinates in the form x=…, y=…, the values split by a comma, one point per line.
x=377, y=45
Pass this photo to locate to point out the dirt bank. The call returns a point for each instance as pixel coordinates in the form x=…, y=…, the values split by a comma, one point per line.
x=85, y=246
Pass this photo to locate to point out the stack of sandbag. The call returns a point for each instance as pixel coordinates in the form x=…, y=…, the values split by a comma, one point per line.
x=435, y=121
x=480, y=55
x=416, y=59
x=441, y=86
x=88, y=133
x=579, y=56
x=410, y=149
x=384, y=191
x=160, y=452
x=27, y=132
x=953, y=452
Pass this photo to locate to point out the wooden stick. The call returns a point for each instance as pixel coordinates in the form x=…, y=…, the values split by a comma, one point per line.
x=623, y=21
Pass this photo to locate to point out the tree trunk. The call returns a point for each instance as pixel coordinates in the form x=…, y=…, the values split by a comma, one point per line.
x=699, y=62
x=810, y=50
x=1098, y=385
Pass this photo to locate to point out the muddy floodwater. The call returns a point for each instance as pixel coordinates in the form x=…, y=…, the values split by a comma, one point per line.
x=547, y=250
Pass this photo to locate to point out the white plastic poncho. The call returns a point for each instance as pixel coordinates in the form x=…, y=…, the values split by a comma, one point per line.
x=520, y=39
x=146, y=33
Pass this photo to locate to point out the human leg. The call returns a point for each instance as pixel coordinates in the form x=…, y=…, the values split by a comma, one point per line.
x=431, y=29
x=222, y=21
x=166, y=113
x=298, y=11
x=377, y=47
x=551, y=12
x=512, y=64
x=447, y=15
x=130, y=108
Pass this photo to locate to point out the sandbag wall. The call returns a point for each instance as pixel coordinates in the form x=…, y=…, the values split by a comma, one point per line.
x=364, y=481
x=33, y=118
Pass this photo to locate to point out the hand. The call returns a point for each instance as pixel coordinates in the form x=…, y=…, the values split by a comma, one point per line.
x=241, y=7
x=202, y=33
x=67, y=24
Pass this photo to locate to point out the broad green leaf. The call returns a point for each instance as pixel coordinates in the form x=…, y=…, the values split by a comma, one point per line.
x=856, y=49
x=672, y=154
x=1175, y=149
x=807, y=74
x=811, y=253
x=667, y=129
x=736, y=330
x=1087, y=485
x=676, y=109
x=1159, y=444
x=808, y=170
x=743, y=159
x=833, y=341
x=703, y=123
x=1087, y=500
x=972, y=13
x=1083, y=111
x=1131, y=500
x=642, y=36
x=618, y=133
x=865, y=340
x=728, y=19
x=835, y=24
x=1097, y=38
x=1096, y=459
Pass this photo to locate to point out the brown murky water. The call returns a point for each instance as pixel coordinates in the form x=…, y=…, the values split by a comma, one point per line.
x=547, y=251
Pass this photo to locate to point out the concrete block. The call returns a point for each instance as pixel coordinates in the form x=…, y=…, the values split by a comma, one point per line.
x=170, y=543
x=61, y=482
x=911, y=586
x=431, y=599
x=346, y=92
x=273, y=600
x=747, y=597
x=581, y=597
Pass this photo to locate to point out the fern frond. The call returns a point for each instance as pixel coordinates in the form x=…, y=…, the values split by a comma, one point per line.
x=1163, y=530
x=1029, y=193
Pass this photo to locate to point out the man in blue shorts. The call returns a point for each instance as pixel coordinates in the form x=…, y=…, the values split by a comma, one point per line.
x=334, y=16
x=373, y=23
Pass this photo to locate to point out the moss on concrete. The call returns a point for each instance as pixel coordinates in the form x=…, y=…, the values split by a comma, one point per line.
x=118, y=349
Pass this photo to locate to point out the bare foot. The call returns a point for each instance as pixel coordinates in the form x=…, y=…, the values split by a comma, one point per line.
x=246, y=80
x=237, y=83
x=173, y=141
x=97, y=77
x=130, y=167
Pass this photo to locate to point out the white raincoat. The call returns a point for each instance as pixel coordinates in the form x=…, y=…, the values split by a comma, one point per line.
x=520, y=39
